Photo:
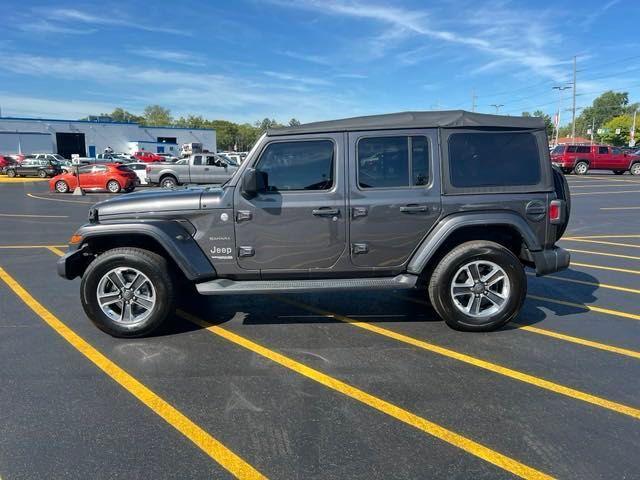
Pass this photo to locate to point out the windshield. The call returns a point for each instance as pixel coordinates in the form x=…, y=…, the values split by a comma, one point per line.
x=558, y=149
x=58, y=157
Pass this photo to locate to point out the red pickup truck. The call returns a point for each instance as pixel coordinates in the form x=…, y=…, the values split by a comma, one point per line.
x=582, y=158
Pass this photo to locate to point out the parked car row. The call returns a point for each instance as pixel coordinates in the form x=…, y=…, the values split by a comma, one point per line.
x=579, y=159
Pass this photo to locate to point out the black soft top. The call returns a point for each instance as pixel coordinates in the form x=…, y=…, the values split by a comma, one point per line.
x=442, y=119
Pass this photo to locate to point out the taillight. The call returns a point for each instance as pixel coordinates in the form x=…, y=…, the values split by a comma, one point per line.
x=555, y=211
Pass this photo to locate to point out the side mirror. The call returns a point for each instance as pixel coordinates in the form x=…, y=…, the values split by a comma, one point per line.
x=254, y=181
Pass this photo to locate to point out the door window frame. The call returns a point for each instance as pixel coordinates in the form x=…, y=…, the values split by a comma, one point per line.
x=410, y=160
x=334, y=162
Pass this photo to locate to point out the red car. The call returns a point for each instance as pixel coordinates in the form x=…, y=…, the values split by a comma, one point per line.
x=582, y=158
x=5, y=162
x=148, y=157
x=110, y=177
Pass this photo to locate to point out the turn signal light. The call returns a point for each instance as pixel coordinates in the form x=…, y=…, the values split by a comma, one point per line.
x=75, y=239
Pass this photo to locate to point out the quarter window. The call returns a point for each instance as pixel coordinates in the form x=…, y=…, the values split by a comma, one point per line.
x=392, y=162
x=306, y=165
x=492, y=159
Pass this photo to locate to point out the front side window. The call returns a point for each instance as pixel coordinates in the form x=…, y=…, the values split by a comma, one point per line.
x=557, y=150
x=392, y=162
x=197, y=160
x=493, y=159
x=306, y=165
x=603, y=150
x=616, y=151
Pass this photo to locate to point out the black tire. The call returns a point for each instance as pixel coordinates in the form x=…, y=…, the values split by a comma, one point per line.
x=11, y=173
x=113, y=186
x=168, y=181
x=153, y=266
x=619, y=172
x=441, y=280
x=42, y=174
x=635, y=169
x=62, y=186
x=581, y=168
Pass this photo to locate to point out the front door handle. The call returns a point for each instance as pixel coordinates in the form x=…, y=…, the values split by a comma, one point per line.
x=414, y=208
x=325, y=211
x=206, y=169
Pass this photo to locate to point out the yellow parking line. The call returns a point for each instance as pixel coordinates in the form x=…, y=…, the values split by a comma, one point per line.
x=604, y=193
x=442, y=433
x=32, y=216
x=600, y=242
x=9, y=247
x=56, y=250
x=492, y=367
x=21, y=179
x=593, y=308
x=602, y=267
x=209, y=445
x=593, y=284
x=603, y=254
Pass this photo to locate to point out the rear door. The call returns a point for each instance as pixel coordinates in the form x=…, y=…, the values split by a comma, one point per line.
x=394, y=194
x=299, y=223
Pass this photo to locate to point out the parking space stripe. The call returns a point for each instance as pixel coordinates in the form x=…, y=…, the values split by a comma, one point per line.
x=603, y=254
x=209, y=445
x=595, y=185
x=31, y=195
x=600, y=242
x=592, y=284
x=619, y=208
x=492, y=367
x=55, y=250
x=32, y=216
x=604, y=236
x=593, y=308
x=603, y=267
x=604, y=193
x=405, y=416
x=18, y=247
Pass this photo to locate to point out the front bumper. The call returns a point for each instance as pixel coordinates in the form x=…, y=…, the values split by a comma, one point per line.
x=550, y=260
x=73, y=263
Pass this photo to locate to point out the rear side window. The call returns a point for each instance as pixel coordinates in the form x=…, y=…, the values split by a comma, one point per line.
x=584, y=150
x=393, y=162
x=572, y=149
x=491, y=159
x=603, y=150
x=306, y=165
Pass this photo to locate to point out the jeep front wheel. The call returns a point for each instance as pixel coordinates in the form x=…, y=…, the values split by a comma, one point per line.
x=128, y=292
x=478, y=286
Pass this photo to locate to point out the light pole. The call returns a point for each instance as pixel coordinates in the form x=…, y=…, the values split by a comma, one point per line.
x=497, y=106
x=560, y=88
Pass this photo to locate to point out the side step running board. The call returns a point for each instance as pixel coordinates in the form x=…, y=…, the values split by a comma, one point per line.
x=224, y=286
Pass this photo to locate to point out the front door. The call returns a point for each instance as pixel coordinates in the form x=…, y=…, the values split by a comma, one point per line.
x=602, y=158
x=196, y=170
x=395, y=194
x=298, y=224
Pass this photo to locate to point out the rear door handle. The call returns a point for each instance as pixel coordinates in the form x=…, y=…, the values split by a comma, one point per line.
x=325, y=211
x=414, y=208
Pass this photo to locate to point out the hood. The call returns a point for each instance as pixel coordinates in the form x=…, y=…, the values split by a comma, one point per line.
x=152, y=201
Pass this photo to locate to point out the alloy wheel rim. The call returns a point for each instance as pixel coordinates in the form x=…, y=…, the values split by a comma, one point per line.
x=61, y=187
x=126, y=296
x=636, y=169
x=112, y=187
x=480, y=289
x=582, y=168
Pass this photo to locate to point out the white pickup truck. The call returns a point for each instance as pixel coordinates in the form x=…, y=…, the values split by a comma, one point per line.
x=199, y=168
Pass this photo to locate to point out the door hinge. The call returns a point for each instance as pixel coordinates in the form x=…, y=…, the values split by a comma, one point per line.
x=359, y=248
x=243, y=215
x=359, y=212
x=246, y=252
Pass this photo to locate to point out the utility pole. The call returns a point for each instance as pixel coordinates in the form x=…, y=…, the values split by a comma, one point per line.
x=560, y=89
x=593, y=127
x=573, y=115
x=632, y=140
x=474, y=97
x=497, y=106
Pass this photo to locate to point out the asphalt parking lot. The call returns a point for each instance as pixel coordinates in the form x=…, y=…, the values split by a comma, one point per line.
x=367, y=385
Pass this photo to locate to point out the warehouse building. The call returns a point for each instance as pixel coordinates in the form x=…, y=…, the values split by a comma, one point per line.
x=92, y=136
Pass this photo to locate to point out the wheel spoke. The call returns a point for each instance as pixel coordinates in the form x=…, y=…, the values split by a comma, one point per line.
x=461, y=290
x=125, y=314
x=474, y=272
x=475, y=305
x=492, y=277
x=137, y=282
x=117, y=279
x=144, y=302
x=494, y=298
x=109, y=298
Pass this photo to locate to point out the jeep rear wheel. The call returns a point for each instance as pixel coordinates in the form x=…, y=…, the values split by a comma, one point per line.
x=635, y=169
x=128, y=292
x=581, y=168
x=478, y=286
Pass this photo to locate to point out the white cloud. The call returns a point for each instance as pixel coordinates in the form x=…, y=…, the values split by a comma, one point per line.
x=27, y=106
x=296, y=78
x=317, y=59
x=174, y=56
x=44, y=26
x=78, y=16
x=598, y=12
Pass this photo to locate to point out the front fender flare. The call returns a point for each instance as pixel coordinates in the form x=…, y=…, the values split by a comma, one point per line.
x=450, y=224
x=170, y=235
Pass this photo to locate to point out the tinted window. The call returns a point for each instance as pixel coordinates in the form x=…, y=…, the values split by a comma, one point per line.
x=419, y=161
x=197, y=160
x=383, y=162
x=602, y=150
x=557, y=150
x=85, y=169
x=298, y=165
x=572, y=149
x=583, y=150
x=616, y=151
x=493, y=159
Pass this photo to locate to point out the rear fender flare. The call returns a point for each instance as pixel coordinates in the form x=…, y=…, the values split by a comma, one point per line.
x=178, y=244
x=447, y=226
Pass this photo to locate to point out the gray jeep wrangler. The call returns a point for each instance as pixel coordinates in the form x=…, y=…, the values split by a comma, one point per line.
x=456, y=203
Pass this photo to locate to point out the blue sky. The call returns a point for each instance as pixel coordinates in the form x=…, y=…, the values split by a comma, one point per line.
x=311, y=59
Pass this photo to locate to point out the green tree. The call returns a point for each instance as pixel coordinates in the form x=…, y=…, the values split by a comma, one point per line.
x=247, y=136
x=622, y=122
x=226, y=133
x=294, y=122
x=122, y=115
x=266, y=124
x=192, y=121
x=607, y=106
x=155, y=115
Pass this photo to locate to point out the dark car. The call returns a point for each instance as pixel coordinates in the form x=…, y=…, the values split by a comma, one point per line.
x=452, y=203
x=32, y=167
